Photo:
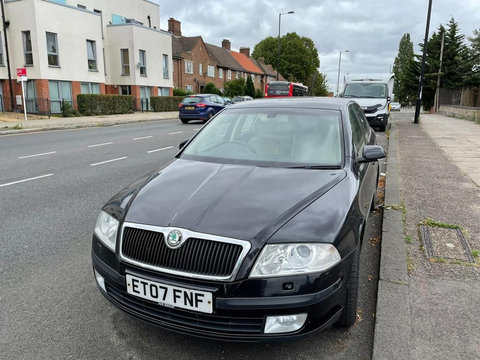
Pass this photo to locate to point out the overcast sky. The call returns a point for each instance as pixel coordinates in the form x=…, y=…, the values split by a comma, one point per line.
x=370, y=29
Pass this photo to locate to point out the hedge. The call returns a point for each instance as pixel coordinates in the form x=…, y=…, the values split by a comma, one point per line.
x=99, y=104
x=165, y=103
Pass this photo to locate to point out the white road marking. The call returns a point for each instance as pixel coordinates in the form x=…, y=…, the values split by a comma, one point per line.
x=176, y=132
x=143, y=137
x=29, y=156
x=24, y=180
x=197, y=129
x=165, y=148
x=103, y=144
x=108, y=161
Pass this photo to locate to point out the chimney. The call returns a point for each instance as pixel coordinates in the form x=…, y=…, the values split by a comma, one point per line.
x=175, y=27
x=226, y=44
x=245, y=51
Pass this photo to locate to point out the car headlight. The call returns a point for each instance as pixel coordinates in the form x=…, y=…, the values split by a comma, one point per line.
x=292, y=259
x=106, y=229
x=380, y=106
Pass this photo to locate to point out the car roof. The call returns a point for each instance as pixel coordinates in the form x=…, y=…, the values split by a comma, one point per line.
x=296, y=102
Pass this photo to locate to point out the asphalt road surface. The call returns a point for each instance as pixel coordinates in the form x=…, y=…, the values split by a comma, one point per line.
x=52, y=186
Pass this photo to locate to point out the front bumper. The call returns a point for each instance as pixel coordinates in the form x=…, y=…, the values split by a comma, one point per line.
x=240, y=308
x=378, y=120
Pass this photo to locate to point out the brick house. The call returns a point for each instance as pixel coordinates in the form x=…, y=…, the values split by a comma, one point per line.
x=196, y=63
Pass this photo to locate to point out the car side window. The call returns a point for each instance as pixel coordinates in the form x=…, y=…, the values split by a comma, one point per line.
x=363, y=123
x=219, y=100
x=357, y=130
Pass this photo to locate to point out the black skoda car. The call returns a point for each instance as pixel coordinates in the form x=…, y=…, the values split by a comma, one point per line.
x=253, y=231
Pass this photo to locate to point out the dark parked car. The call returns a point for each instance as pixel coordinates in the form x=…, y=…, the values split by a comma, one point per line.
x=254, y=231
x=200, y=107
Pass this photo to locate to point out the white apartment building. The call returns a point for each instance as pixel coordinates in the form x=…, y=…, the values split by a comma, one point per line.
x=70, y=47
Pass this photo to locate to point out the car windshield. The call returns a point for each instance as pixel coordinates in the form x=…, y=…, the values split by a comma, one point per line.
x=238, y=98
x=365, y=90
x=270, y=137
x=192, y=100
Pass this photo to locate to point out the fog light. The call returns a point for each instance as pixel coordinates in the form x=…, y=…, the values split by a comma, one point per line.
x=100, y=280
x=284, y=323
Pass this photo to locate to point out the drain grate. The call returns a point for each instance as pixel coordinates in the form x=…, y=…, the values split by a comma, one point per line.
x=445, y=243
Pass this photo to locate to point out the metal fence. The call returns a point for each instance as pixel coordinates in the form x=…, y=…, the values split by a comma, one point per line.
x=467, y=96
x=40, y=106
x=144, y=105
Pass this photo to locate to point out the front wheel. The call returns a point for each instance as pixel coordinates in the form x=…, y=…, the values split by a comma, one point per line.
x=349, y=314
x=209, y=116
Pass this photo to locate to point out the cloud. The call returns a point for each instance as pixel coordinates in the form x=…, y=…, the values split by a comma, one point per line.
x=370, y=29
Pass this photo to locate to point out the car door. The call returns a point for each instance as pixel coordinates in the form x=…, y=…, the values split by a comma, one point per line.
x=359, y=138
x=219, y=103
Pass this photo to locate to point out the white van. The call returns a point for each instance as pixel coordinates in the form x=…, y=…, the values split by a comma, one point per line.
x=373, y=92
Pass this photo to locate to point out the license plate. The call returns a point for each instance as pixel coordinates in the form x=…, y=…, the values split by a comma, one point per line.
x=189, y=107
x=170, y=296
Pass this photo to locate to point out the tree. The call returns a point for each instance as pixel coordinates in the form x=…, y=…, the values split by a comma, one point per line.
x=474, y=59
x=318, y=84
x=298, y=59
x=404, y=93
x=250, y=88
x=235, y=87
x=210, y=88
x=455, y=57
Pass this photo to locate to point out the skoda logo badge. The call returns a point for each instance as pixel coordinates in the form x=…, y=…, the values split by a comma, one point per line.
x=174, y=239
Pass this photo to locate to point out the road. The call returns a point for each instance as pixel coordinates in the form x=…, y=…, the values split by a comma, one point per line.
x=52, y=186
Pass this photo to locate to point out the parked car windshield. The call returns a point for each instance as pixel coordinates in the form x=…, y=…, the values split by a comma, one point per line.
x=192, y=100
x=270, y=137
x=238, y=98
x=366, y=90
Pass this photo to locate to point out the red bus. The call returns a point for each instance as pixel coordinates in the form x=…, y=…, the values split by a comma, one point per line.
x=285, y=88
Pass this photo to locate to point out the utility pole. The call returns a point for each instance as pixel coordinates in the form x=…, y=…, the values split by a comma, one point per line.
x=422, y=71
x=279, y=53
x=339, y=64
x=437, y=91
x=5, y=26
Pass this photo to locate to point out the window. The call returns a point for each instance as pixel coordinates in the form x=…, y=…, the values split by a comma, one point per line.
x=125, y=90
x=188, y=67
x=52, y=49
x=211, y=71
x=220, y=73
x=60, y=93
x=143, y=62
x=165, y=66
x=1, y=50
x=125, y=62
x=92, y=55
x=90, y=88
x=253, y=77
x=229, y=74
x=189, y=88
x=163, y=91
x=27, y=47
x=200, y=69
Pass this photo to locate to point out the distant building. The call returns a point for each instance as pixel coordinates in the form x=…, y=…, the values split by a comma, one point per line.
x=85, y=46
x=197, y=63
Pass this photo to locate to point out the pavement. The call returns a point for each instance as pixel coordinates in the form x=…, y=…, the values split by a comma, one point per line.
x=15, y=124
x=429, y=283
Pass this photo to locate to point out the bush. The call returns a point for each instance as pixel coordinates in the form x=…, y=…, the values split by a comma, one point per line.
x=165, y=103
x=68, y=111
x=210, y=88
x=250, y=88
x=181, y=92
x=258, y=94
x=99, y=104
x=235, y=87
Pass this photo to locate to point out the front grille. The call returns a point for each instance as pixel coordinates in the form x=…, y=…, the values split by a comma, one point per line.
x=205, y=322
x=195, y=256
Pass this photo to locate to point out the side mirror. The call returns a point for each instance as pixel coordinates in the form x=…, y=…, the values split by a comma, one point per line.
x=182, y=144
x=371, y=153
x=389, y=99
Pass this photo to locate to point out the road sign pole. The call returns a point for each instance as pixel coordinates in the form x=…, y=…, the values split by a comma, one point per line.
x=23, y=101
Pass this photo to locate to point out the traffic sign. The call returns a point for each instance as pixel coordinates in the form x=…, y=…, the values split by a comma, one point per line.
x=21, y=74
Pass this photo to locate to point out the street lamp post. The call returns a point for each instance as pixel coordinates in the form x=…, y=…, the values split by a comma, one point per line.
x=279, y=22
x=339, y=62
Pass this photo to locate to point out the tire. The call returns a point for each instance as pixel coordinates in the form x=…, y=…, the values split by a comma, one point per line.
x=209, y=116
x=382, y=128
x=349, y=314
x=184, y=121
